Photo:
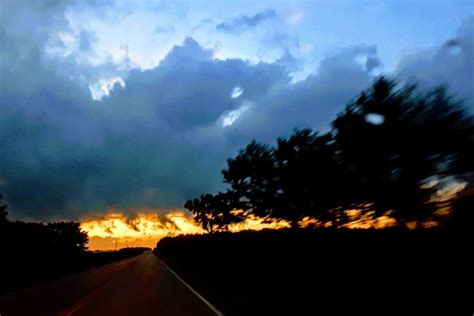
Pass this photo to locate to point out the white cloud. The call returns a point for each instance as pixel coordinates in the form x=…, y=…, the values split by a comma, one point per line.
x=104, y=86
x=236, y=92
x=229, y=118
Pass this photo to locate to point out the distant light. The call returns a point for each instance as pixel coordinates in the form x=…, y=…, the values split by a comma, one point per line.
x=375, y=119
x=236, y=92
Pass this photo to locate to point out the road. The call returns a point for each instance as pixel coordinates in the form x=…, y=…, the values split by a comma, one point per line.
x=142, y=285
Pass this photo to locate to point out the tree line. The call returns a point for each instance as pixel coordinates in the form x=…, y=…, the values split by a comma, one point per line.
x=388, y=152
x=35, y=253
x=63, y=237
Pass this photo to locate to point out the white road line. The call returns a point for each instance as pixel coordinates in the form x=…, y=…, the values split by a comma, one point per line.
x=215, y=310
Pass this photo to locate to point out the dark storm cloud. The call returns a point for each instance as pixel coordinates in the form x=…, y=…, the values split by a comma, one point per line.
x=160, y=139
x=155, y=142
x=244, y=22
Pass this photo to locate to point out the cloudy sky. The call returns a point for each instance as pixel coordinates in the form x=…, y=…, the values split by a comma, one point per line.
x=136, y=104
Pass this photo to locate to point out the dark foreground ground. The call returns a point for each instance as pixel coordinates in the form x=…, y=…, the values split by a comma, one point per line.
x=138, y=286
x=24, y=267
x=327, y=272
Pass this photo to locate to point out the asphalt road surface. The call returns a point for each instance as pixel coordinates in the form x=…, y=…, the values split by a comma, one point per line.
x=137, y=286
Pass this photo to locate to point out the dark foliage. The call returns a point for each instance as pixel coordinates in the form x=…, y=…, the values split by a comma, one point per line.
x=463, y=219
x=381, y=154
x=309, y=177
x=214, y=212
x=33, y=253
x=253, y=178
x=3, y=212
x=418, y=136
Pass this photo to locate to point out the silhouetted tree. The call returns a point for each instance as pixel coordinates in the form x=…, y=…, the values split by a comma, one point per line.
x=3, y=211
x=67, y=236
x=463, y=211
x=393, y=140
x=383, y=151
x=311, y=181
x=215, y=212
x=253, y=178
x=300, y=177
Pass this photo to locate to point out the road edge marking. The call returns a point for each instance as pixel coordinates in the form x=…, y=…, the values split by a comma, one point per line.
x=212, y=307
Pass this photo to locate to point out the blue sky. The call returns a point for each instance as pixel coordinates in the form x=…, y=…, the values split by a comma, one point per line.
x=134, y=104
x=150, y=29
x=145, y=31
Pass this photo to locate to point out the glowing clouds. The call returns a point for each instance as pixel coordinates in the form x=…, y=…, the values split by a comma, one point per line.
x=258, y=223
x=115, y=230
x=368, y=220
x=142, y=231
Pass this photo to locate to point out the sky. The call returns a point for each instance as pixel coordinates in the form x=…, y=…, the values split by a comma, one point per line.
x=124, y=106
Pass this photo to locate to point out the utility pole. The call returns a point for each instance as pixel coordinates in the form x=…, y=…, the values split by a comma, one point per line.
x=115, y=244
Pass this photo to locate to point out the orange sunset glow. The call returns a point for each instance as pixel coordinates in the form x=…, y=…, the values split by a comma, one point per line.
x=115, y=230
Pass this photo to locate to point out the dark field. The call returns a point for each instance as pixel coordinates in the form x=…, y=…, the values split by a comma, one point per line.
x=306, y=272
